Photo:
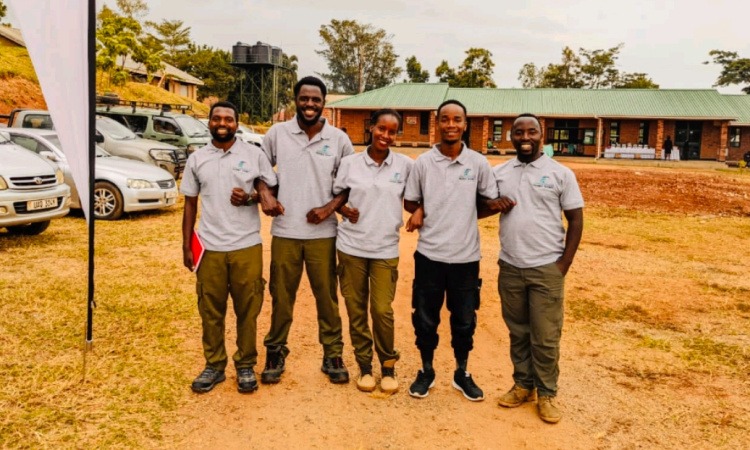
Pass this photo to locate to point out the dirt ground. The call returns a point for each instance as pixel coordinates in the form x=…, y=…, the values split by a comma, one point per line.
x=602, y=407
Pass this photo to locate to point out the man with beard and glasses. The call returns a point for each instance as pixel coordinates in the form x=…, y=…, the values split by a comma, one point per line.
x=445, y=183
x=307, y=152
x=536, y=253
x=224, y=173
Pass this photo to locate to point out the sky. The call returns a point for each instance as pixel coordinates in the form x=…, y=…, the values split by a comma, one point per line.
x=668, y=40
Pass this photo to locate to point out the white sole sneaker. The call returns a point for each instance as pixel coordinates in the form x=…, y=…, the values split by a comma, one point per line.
x=460, y=389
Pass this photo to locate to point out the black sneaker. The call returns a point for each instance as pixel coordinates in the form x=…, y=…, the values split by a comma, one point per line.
x=274, y=368
x=206, y=381
x=335, y=369
x=422, y=385
x=246, y=381
x=463, y=382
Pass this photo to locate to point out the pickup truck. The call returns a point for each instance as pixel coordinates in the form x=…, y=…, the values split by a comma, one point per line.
x=114, y=137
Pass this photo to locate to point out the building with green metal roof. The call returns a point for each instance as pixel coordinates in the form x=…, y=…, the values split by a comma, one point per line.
x=702, y=123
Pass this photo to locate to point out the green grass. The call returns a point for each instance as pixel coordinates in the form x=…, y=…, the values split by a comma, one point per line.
x=15, y=62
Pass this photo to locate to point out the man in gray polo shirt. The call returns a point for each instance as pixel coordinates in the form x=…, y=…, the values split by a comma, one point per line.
x=445, y=182
x=536, y=253
x=224, y=173
x=307, y=152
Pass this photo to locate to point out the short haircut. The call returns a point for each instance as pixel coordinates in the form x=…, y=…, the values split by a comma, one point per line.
x=529, y=115
x=384, y=112
x=451, y=102
x=310, y=81
x=224, y=104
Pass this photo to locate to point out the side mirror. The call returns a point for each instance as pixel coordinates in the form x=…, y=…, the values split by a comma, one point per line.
x=139, y=134
x=99, y=138
x=49, y=155
x=178, y=132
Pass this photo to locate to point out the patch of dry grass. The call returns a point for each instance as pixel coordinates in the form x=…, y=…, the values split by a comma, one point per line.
x=135, y=374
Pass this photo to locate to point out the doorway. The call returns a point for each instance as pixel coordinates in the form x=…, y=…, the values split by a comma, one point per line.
x=687, y=136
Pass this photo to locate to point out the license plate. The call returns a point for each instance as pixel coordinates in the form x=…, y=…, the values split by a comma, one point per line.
x=41, y=204
x=170, y=194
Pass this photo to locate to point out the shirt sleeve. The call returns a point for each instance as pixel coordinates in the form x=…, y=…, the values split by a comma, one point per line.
x=265, y=170
x=341, y=183
x=413, y=191
x=190, y=186
x=486, y=184
x=269, y=145
x=571, y=197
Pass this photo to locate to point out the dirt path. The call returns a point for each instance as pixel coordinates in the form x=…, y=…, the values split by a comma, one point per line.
x=305, y=411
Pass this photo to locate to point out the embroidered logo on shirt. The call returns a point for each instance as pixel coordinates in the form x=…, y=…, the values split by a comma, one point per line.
x=324, y=151
x=241, y=167
x=396, y=178
x=545, y=183
x=467, y=175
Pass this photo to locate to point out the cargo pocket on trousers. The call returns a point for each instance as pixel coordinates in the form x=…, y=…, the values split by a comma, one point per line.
x=343, y=284
x=199, y=292
x=259, y=287
x=394, y=275
x=272, y=283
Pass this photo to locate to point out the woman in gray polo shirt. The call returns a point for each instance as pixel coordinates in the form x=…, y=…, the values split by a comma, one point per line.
x=367, y=246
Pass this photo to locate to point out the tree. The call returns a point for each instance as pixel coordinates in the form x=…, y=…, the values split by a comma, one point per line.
x=133, y=9
x=414, y=71
x=3, y=11
x=117, y=37
x=475, y=71
x=360, y=57
x=635, y=81
x=589, y=69
x=210, y=65
x=734, y=70
x=173, y=37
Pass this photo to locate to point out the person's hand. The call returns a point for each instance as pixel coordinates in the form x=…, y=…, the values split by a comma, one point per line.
x=317, y=215
x=239, y=197
x=187, y=259
x=502, y=204
x=416, y=220
x=270, y=206
x=563, y=266
x=351, y=214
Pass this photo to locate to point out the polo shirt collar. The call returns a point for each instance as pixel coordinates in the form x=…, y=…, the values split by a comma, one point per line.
x=537, y=164
x=216, y=149
x=463, y=157
x=371, y=162
x=325, y=133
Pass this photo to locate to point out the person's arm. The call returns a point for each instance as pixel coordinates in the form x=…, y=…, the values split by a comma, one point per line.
x=489, y=207
x=188, y=225
x=416, y=220
x=267, y=197
x=319, y=214
x=572, y=238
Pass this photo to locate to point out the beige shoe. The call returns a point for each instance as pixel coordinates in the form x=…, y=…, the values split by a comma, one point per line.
x=366, y=382
x=548, y=412
x=389, y=383
x=516, y=396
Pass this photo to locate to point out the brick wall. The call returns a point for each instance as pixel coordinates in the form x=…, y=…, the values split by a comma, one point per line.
x=411, y=129
x=503, y=143
x=711, y=140
x=354, y=122
x=475, y=134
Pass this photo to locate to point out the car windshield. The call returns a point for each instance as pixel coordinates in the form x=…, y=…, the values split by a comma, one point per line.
x=190, y=126
x=115, y=130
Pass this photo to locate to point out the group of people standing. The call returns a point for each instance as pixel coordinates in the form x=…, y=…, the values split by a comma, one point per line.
x=446, y=190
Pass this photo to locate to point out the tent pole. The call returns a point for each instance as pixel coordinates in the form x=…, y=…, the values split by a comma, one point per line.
x=90, y=303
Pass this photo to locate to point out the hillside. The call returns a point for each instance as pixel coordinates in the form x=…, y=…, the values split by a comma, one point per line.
x=19, y=86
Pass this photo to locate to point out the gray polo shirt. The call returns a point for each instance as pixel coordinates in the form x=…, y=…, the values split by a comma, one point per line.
x=378, y=193
x=306, y=169
x=448, y=190
x=532, y=233
x=213, y=174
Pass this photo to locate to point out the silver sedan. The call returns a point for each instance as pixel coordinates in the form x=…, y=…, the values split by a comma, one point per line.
x=122, y=185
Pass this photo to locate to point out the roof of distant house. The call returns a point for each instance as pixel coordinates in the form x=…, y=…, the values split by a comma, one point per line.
x=170, y=70
x=685, y=104
x=13, y=35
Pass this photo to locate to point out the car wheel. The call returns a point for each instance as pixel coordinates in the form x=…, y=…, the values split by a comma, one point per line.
x=31, y=229
x=107, y=201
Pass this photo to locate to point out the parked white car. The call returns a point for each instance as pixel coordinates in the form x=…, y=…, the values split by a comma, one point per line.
x=122, y=185
x=32, y=190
